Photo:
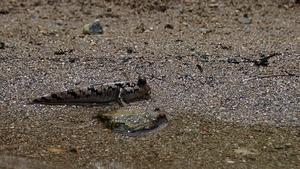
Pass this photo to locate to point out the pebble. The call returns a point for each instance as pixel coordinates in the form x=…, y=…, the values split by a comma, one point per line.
x=2, y=45
x=229, y=161
x=63, y=51
x=199, y=68
x=169, y=26
x=245, y=19
x=233, y=60
x=93, y=28
x=133, y=121
x=140, y=28
x=130, y=50
x=245, y=151
x=204, y=30
x=72, y=60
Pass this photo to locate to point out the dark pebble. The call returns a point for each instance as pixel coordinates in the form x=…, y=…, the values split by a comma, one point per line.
x=140, y=28
x=2, y=45
x=179, y=57
x=169, y=26
x=232, y=60
x=129, y=50
x=73, y=150
x=72, y=60
x=200, y=68
x=62, y=52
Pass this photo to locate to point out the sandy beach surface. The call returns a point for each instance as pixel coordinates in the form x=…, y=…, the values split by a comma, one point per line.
x=225, y=73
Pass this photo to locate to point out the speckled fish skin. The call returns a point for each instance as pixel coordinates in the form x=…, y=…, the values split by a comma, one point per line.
x=120, y=92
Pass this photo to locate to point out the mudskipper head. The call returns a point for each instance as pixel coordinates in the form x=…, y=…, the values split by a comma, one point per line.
x=135, y=91
x=141, y=81
x=144, y=87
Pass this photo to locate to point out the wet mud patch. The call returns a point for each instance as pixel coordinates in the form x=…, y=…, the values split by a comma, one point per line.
x=15, y=162
x=133, y=121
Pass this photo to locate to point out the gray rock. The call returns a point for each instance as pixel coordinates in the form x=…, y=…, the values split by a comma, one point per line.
x=133, y=121
x=93, y=28
x=245, y=19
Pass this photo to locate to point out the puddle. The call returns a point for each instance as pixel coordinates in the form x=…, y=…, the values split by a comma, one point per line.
x=134, y=121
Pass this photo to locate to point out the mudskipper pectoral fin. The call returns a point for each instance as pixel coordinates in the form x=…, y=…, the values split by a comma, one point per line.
x=120, y=100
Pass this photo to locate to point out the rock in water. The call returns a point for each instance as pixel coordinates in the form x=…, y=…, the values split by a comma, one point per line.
x=133, y=121
x=93, y=28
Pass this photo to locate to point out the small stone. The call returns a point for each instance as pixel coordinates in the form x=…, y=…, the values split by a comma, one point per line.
x=169, y=26
x=178, y=56
x=151, y=28
x=214, y=5
x=63, y=51
x=229, y=161
x=157, y=109
x=245, y=19
x=2, y=45
x=205, y=30
x=199, y=68
x=93, y=28
x=224, y=46
x=129, y=50
x=233, y=60
x=73, y=150
x=140, y=28
x=59, y=52
x=162, y=8
x=72, y=60
x=245, y=151
x=178, y=40
x=202, y=57
x=133, y=121
x=125, y=59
